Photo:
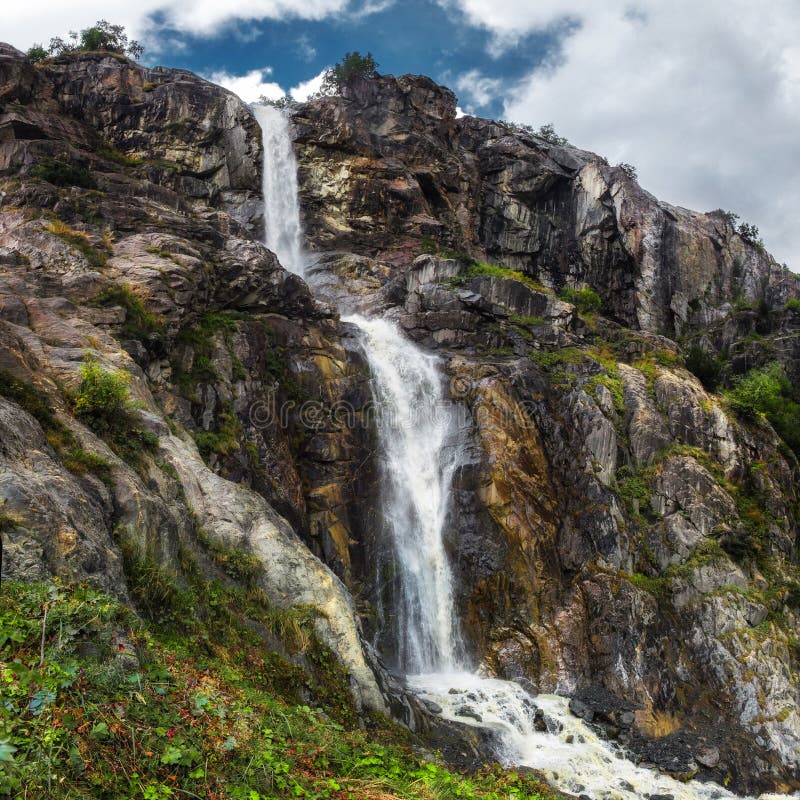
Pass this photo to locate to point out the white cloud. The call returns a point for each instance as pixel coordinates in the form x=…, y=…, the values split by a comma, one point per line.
x=511, y=19
x=38, y=20
x=478, y=90
x=207, y=16
x=305, y=89
x=305, y=49
x=249, y=87
x=703, y=98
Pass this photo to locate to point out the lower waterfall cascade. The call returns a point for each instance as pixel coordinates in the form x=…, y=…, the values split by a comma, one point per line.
x=416, y=432
x=414, y=424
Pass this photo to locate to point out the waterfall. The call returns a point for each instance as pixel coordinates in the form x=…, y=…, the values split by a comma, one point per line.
x=283, y=233
x=417, y=432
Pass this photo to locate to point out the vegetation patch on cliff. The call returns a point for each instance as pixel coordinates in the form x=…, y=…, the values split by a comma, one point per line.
x=96, y=704
x=102, y=402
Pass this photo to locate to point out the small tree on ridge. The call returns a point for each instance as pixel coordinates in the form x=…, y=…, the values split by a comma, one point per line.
x=352, y=67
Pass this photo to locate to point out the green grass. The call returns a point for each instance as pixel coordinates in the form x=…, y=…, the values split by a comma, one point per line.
x=139, y=322
x=225, y=438
x=655, y=586
x=218, y=718
x=528, y=322
x=80, y=241
x=551, y=359
x=586, y=300
x=479, y=270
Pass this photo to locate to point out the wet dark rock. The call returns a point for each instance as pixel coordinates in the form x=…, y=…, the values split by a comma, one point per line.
x=581, y=710
x=468, y=711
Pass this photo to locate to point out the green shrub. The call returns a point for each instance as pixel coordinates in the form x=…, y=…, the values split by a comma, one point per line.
x=758, y=392
x=36, y=53
x=200, y=337
x=705, y=366
x=102, y=396
x=729, y=216
x=586, y=300
x=475, y=269
x=102, y=402
x=237, y=564
x=63, y=173
x=548, y=133
x=767, y=393
x=100, y=37
x=635, y=490
x=629, y=170
x=655, y=586
x=351, y=68
x=793, y=305
x=224, y=439
x=81, y=461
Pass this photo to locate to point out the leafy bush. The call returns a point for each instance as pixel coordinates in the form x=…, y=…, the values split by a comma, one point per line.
x=475, y=269
x=586, y=300
x=629, y=170
x=102, y=402
x=548, y=133
x=793, y=305
x=36, y=53
x=729, y=216
x=102, y=37
x=748, y=232
x=63, y=173
x=758, y=392
x=768, y=393
x=102, y=396
x=351, y=68
x=705, y=366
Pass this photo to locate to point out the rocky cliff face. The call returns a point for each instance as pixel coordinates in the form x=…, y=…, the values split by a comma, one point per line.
x=619, y=534
x=147, y=266
x=391, y=159
x=605, y=489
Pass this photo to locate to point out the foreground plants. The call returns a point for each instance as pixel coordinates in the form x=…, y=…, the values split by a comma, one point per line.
x=95, y=704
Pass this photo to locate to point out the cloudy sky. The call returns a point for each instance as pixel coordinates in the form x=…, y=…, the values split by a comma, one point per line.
x=702, y=97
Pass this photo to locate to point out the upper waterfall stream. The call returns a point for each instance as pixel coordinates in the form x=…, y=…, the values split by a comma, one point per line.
x=417, y=429
x=283, y=233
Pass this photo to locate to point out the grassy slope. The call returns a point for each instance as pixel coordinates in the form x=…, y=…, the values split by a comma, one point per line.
x=206, y=712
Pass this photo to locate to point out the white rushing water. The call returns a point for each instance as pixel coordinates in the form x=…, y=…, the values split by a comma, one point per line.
x=572, y=756
x=417, y=432
x=283, y=233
